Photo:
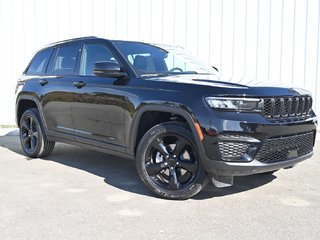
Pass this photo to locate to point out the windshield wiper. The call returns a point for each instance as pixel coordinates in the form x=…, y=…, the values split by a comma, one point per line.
x=154, y=74
x=166, y=74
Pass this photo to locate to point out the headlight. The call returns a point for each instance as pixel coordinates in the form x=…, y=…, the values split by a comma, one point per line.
x=234, y=104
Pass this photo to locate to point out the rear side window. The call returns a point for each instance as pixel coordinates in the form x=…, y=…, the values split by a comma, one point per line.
x=39, y=63
x=65, y=60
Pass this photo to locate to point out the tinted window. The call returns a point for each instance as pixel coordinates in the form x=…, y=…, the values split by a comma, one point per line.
x=91, y=54
x=144, y=57
x=148, y=59
x=39, y=63
x=65, y=60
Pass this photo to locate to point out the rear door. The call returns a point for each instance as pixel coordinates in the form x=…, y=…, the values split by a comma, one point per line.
x=97, y=111
x=58, y=91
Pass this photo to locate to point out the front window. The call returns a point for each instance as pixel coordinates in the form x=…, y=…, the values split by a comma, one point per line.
x=93, y=53
x=147, y=59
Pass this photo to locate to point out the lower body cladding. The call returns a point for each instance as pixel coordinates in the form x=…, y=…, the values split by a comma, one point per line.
x=243, y=153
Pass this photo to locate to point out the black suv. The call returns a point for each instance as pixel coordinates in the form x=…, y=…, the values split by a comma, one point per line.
x=162, y=107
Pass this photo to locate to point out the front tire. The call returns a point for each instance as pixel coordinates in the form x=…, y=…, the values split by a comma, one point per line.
x=32, y=137
x=168, y=162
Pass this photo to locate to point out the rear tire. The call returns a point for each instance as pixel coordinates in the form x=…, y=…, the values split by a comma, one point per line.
x=32, y=136
x=168, y=162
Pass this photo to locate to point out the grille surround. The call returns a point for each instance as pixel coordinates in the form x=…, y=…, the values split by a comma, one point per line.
x=287, y=108
x=278, y=149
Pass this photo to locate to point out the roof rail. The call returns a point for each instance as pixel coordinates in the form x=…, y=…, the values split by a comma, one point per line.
x=72, y=39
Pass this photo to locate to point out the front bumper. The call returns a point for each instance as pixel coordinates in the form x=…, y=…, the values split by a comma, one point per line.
x=220, y=168
x=258, y=148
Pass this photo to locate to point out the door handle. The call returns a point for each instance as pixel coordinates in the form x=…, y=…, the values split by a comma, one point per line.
x=79, y=84
x=43, y=82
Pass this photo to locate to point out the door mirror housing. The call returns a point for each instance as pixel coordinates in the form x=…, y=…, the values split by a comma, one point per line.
x=108, y=69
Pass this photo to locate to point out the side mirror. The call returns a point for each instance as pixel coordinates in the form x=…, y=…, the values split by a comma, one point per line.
x=108, y=69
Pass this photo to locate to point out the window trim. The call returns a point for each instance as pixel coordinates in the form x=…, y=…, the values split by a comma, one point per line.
x=52, y=58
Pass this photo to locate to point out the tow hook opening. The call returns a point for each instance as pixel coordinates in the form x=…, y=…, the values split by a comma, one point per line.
x=289, y=167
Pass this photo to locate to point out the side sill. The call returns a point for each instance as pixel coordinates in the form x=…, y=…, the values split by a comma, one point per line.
x=89, y=146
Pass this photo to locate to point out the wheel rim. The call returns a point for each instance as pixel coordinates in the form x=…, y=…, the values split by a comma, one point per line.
x=29, y=133
x=172, y=162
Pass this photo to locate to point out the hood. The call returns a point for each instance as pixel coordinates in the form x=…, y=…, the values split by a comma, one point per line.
x=200, y=79
x=246, y=87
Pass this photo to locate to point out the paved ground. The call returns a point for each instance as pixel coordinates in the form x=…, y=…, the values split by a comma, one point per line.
x=80, y=194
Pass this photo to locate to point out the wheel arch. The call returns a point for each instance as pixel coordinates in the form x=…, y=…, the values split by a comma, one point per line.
x=185, y=113
x=25, y=102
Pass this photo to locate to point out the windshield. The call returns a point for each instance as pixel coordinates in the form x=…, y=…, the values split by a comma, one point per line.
x=148, y=60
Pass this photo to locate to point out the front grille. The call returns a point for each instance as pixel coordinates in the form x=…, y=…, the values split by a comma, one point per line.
x=284, y=148
x=232, y=151
x=287, y=108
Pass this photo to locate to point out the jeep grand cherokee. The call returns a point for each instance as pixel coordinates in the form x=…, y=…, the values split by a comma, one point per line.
x=162, y=107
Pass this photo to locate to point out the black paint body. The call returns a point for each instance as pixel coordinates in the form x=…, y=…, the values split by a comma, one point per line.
x=105, y=113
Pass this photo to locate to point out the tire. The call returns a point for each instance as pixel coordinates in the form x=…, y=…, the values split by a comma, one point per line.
x=168, y=162
x=32, y=137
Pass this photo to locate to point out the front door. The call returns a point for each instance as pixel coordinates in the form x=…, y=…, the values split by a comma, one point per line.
x=97, y=111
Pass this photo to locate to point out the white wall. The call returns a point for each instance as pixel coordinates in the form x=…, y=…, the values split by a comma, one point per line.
x=269, y=40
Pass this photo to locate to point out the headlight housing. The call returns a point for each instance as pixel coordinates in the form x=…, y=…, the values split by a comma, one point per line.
x=235, y=104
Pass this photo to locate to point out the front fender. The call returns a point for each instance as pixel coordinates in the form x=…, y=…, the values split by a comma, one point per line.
x=168, y=107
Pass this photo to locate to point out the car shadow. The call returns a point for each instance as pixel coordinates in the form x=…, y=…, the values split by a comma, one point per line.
x=241, y=184
x=121, y=173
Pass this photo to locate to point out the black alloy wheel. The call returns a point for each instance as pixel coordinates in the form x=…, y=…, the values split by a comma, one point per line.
x=29, y=133
x=32, y=137
x=168, y=162
x=172, y=162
